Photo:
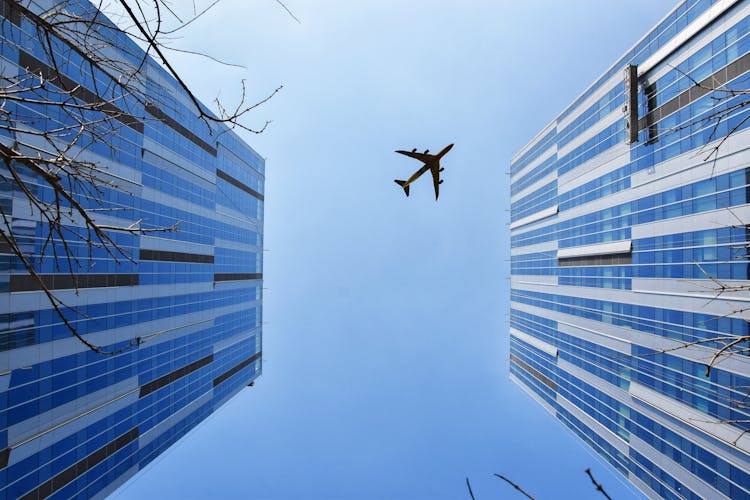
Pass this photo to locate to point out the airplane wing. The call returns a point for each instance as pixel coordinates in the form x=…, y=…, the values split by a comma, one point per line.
x=436, y=180
x=418, y=156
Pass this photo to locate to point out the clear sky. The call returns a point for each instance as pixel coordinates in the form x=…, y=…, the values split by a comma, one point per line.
x=385, y=347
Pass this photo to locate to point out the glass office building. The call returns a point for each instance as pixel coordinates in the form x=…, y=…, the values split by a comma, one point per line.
x=628, y=213
x=176, y=316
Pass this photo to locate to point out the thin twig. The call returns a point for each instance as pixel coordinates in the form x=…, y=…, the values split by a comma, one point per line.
x=599, y=486
x=468, y=485
x=288, y=11
x=517, y=487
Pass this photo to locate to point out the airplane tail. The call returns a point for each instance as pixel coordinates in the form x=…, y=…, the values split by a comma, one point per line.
x=404, y=185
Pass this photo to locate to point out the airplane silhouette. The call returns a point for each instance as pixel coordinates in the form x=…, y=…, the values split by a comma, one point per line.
x=431, y=163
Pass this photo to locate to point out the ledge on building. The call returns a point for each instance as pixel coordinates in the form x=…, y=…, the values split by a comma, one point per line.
x=611, y=248
x=542, y=214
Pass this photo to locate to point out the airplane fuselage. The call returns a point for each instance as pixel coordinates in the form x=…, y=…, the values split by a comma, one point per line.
x=431, y=163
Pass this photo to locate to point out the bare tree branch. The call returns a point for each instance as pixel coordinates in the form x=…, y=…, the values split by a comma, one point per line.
x=723, y=108
x=50, y=122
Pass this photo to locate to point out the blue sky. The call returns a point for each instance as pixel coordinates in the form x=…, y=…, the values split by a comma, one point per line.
x=386, y=340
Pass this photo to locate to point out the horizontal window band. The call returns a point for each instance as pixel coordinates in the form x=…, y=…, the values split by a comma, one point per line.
x=596, y=260
x=234, y=182
x=71, y=419
x=718, y=79
x=167, y=256
x=536, y=374
x=610, y=248
x=170, y=122
x=27, y=283
x=221, y=378
x=167, y=379
x=718, y=429
x=237, y=276
x=82, y=466
x=10, y=11
x=37, y=67
x=685, y=34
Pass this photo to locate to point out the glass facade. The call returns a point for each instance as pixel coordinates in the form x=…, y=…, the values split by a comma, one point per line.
x=180, y=310
x=625, y=222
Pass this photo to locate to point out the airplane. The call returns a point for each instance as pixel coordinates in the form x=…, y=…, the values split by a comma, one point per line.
x=431, y=163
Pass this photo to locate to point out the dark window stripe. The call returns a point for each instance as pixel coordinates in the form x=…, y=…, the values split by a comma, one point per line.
x=167, y=379
x=237, y=276
x=653, y=130
x=5, y=455
x=167, y=256
x=35, y=66
x=234, y=182
x=721, y=77
x=596, y=260
x=80, y=467
x=536, y=374
x=631, y=102
x=10, y=11
x=41, y=23
x=26, y=282
x=221, y=378
x=177, y=127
